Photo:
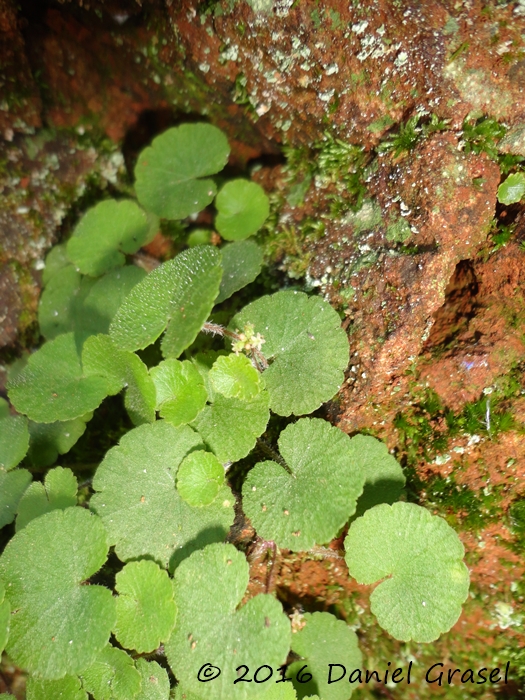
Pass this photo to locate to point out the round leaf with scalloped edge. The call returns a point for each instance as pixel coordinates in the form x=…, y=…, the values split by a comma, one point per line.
x=59, y=490
x=142, y=510
x=212, y=627
x=305, y=345
x=234, y=376
x=60, y=625
x=181, y=394
x=112, y=676
x=308, y=501
x=417, y=559
x=171, y=175
x=200, y=478
x=242, y=208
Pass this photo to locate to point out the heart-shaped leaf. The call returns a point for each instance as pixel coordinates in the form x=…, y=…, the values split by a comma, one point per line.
x=167, y=174
x=234, y=376
x=60, y=625
x=14, y=441
x=106, y=233
x=146, y=610
x=424, y=581
x=51, y=387
x=303, y=339
x=67, y=688
x=139, y=504
x=178, y=295
x=59, y=490
x=324, y=640
x=242, y=208
x=241, y=262
x=212, y=628
x=181, y=394
x=309, y=501
x=12, y=488
x=112, y=676
x=200, y=478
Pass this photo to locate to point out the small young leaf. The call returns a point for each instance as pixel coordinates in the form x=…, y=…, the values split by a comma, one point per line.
x=230, y=427
x=112, y=676
x=51, y=386
x=67, y=688
x=512, y=189
x=181, y=394
x=241, y=262
x=12, y=488
x=48, y=440
x=14, y=441
x=418, y=559
x=5, y=615
x=60, y=625
x=83, y=305
x=139, y=504
x=242, y=208
x=324, y=640
x=179, y=294
x=101, y=358
x=235, y=377
x=106, y=232
x=155, y=681
x=212, y=629
x=146, y=610
x=166, y=172
x=384, y=478
x=200, y=478
x=303, y=339
x=312, y=501
x=59, y=491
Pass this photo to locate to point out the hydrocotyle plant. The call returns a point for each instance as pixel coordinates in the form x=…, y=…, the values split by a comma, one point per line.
x=173, y=591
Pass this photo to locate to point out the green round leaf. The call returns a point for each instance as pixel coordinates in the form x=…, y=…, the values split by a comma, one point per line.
x=12, y=487
x=178, y=295
x=155, y=681
x=5, y=616
x=200, y=478
x=56, y=259
x=14, y=441
x=384, y=478
x=512, y=189
x=60, y=624
x=303, y=340
x=139, y=504
x=311, y=500
x=418, y=559
x=146, y=610
x=167, y=172
x=234, y=376
x=241, y=262
x=112, y=676
x=230, y=427
x=324, y=640
x=212, y=627
x=106, y=233
x=59, y=491
x=67, y=688
x=242, y=208
x=181, y=394
x=48, y=440
x=51, y=386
